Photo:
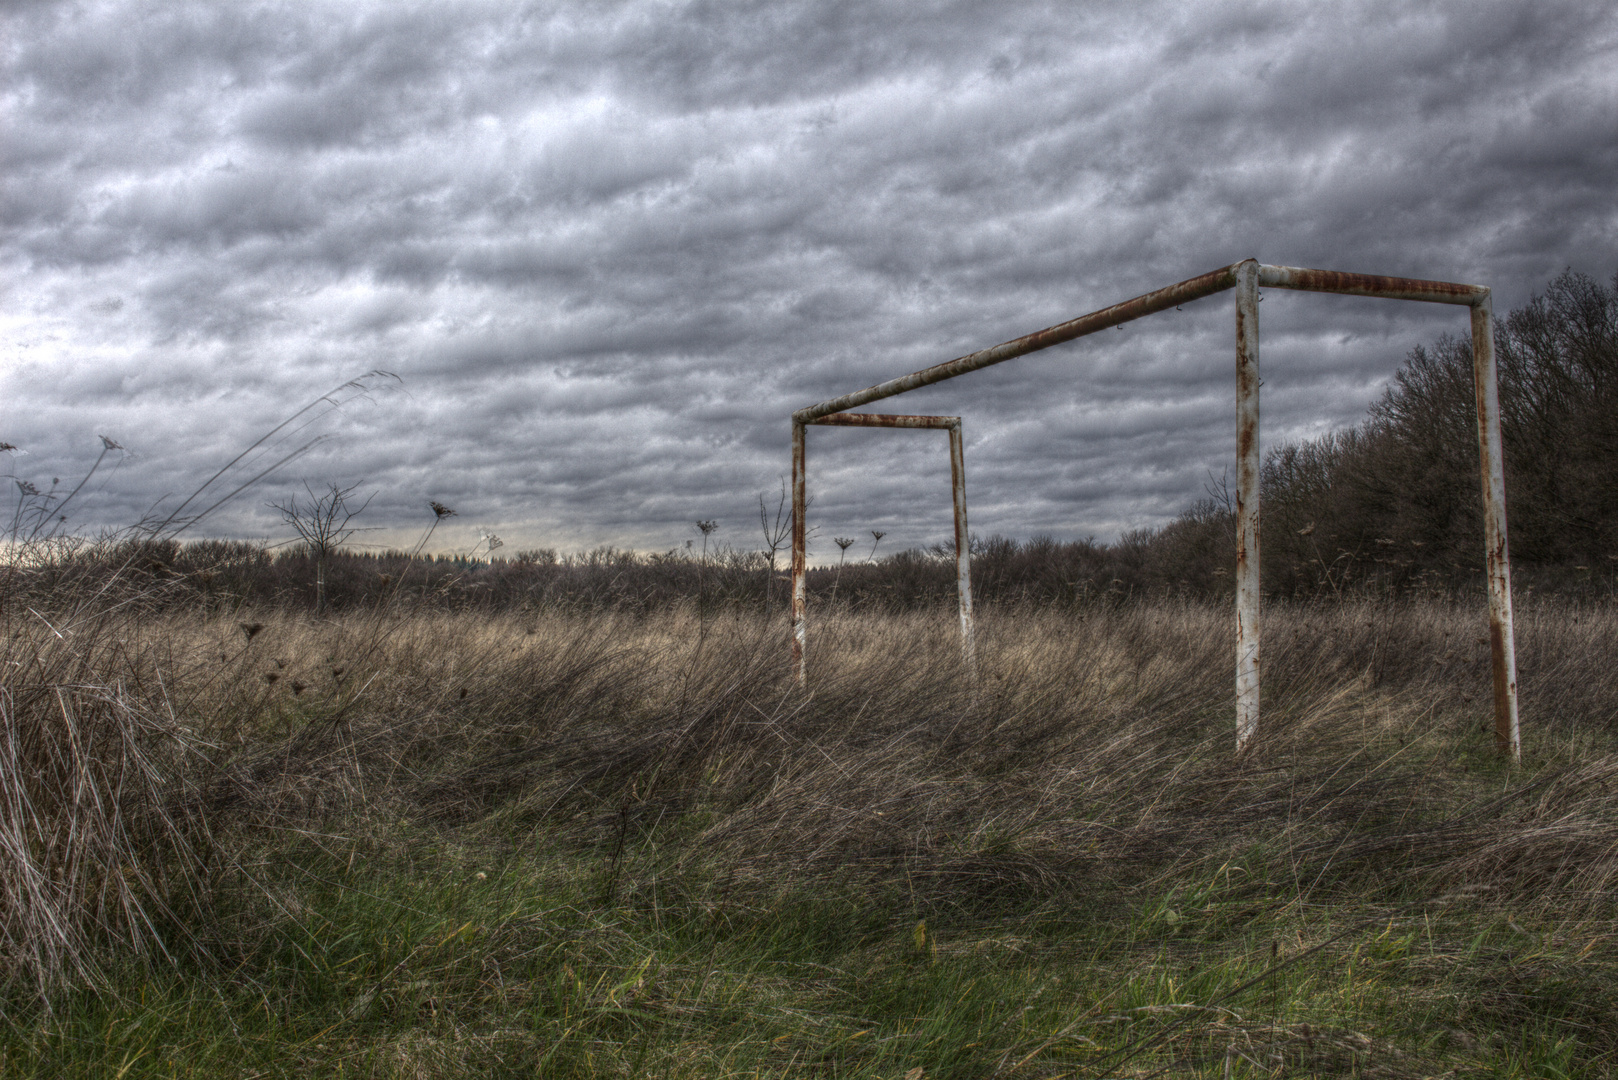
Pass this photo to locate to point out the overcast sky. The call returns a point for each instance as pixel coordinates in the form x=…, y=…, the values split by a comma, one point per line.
x=607, y=248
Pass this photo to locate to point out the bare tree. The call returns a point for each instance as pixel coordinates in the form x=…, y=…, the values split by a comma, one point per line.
x=324, y=524
x=777, y=529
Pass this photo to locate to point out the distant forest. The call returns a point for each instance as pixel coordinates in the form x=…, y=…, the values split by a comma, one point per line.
x=1390, y=508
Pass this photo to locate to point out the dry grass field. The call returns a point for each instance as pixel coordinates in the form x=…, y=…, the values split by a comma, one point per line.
x=425, y=844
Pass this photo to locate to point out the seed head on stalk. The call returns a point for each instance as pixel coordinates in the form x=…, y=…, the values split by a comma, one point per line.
x=876, y=538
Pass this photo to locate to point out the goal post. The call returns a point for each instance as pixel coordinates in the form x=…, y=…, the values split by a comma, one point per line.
x=1246, y=278
x=957, y=481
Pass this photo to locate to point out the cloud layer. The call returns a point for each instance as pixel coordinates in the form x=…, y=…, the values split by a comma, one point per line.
x=608, y=248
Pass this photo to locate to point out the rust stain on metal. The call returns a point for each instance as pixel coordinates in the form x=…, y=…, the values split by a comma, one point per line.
x=1386, y=288
x=1246, y=277
x=1504, y=692
x=963, y=545
x=1491, y=460
x=1247, y=504
x=800, y=660
x=885, y=420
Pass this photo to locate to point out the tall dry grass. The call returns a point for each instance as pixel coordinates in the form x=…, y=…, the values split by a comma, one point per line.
x=153, y=751
x=102, y=836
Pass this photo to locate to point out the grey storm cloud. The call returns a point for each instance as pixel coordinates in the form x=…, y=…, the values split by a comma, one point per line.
x=607, y=248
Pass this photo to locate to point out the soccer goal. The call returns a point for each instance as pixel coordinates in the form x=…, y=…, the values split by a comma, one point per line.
x=1245, y=278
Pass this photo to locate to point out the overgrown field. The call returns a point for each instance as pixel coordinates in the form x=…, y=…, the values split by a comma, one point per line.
x=386, y=844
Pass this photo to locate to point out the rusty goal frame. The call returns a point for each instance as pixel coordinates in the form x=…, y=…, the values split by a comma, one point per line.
x=1245, y=277
x=957, y=478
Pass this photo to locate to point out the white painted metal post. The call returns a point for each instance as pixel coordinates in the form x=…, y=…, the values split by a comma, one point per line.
x=800, y=564
x=963, y=546
x=1247, y=508
x=1491, y=458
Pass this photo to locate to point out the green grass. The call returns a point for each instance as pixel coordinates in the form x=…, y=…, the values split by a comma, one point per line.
x=439, y=960
x=623, y=848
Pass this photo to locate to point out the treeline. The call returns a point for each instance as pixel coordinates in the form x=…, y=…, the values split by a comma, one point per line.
x=1397, y=500
x=238, y=576
x=1389, y=508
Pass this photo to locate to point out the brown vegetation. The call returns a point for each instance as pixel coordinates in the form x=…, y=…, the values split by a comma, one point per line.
x=1093, y=751
x=186, y=729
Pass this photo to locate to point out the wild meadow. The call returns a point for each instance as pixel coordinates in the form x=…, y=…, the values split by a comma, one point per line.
x=414, y=839
x=332, y=814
